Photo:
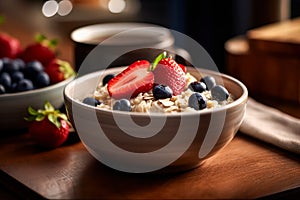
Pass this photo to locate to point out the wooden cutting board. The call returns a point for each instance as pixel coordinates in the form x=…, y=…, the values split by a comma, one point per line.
x=281, y=37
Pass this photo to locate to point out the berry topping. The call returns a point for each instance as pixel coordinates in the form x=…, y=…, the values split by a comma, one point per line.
x=197, y=86
x=91, y=101
x=49, y=127
x=32, y=69
x=209, y=81
x=169, y=73
x=219, y=93
x=133, y=80
x=122, y=105
x=5, y=80
x=107, y=78
x=162, y=92
x=197, y=101
x=2, y=89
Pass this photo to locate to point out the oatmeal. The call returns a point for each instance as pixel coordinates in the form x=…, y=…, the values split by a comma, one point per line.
x=162, y=87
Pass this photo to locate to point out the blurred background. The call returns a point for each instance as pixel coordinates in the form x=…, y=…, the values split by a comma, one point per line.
x=211, y=23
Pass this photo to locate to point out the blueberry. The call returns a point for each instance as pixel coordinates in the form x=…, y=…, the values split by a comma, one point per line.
x=219, y=93
x=91, y=101
x=10, y=67
x=197, y=86
x=5, y=80
x=32, y=69
x=122, y=105
x=209, y=81
x=20, y=63
x=197, y=101
x=1, y=65
x=17, y=76
x=107, y=78
x=2, y=89
x=162, y=92
x=42, y=80
x=24, y=85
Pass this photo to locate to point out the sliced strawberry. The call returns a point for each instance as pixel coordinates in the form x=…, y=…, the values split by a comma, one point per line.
x=133, y=80
x=168, y=72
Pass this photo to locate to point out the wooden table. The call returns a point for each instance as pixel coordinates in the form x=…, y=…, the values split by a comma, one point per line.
x=246, y=168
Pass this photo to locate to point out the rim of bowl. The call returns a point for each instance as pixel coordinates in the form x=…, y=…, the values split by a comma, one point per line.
x=34, y=91
x=242, y=99
x=114, y=28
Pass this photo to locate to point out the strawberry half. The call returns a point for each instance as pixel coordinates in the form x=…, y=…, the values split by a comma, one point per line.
x=59, y=70
x=42, y=50
x=168, y=72
x=48, y=128
x=9, y=46
x=135, y=79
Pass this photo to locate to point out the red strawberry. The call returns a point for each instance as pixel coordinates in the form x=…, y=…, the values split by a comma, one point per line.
x=136, y=78
x=59, y=70
x=182, y=67
x=168, y=72
x=9, y=46
x=49, y=128
x=42, y=50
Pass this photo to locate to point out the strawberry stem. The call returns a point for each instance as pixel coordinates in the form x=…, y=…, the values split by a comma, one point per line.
x=42, y=39
x=157, y=59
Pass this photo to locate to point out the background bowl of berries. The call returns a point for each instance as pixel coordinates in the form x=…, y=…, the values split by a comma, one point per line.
x=29, y=77
x=158, y=116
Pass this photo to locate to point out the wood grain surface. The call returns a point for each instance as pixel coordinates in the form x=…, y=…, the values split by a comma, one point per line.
x=246, y=168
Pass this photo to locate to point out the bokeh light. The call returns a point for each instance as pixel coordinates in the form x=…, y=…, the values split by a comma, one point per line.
x=116, y=6
x=64, y=7
x=50, y=8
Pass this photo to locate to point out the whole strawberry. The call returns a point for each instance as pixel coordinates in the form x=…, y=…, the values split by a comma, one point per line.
x=135, y=79
x=49, y=127
x=168, y=72
x=59, y=70
x=42, y=50
x=9, y=46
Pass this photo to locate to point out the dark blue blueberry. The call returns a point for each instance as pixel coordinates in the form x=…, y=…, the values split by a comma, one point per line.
x=17, y=76
x=32, y=69
x=5, y=80
x=197, y=101
x=91, y=101
x=197, y=86
x=107, y=78
x=2, y=89
x=219, y=93
x=10, y=67
x=24, y=85
x=42, y=80
x=209, y=81
x=1, y=65
x=162, y=92
x=19, y=62
x=122, y=105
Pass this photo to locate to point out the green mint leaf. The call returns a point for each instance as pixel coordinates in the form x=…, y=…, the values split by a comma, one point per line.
x=157, y=59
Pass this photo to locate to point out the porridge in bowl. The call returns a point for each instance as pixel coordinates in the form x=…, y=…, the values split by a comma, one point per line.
x=163, y=87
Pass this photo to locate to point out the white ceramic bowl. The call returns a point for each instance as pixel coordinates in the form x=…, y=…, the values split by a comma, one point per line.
x=13, y=106
x=140, y=143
